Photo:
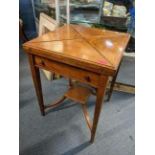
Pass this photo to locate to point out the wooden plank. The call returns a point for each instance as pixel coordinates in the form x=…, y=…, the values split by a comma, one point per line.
x=123, y=87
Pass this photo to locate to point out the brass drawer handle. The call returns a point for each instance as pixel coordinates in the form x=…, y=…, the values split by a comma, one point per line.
x=42, y=63
x=87, y=78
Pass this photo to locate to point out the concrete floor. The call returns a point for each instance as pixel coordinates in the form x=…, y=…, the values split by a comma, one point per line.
x=63, y=131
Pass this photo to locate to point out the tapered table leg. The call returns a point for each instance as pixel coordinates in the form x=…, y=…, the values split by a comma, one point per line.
x=99, y=98
x=112, y=84
x=37, y=83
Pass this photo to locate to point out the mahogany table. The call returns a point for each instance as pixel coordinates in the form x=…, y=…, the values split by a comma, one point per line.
x=88, y=55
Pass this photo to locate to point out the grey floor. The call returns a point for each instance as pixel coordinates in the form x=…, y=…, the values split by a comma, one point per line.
x=63, y=131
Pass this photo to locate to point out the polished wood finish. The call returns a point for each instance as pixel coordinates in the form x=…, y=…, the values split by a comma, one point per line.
x=79, y=94
x=68, y=71
x=100, y=51
x=88, y=55
x=37, y=83
x=98, y=106
x=47, y=24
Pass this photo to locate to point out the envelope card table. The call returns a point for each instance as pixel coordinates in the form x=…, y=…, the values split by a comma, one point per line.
x=88, y=55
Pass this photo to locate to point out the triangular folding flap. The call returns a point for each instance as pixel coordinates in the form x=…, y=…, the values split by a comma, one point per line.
x=77, y=49
x=61, y=33
x=88, y=33
x=111, y=48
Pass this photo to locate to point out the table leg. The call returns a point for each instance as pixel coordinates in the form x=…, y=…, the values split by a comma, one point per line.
x=112, y=84
x=99, y=98
x=37, y=83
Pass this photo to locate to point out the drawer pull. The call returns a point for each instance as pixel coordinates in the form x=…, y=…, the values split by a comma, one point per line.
x=87, y=78
x=42, y=63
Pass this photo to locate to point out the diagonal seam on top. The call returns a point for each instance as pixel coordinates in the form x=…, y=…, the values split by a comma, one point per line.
x=54, y=40
x=92, y=46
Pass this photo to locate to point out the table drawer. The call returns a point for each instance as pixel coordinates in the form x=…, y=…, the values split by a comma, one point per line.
x=68, y=71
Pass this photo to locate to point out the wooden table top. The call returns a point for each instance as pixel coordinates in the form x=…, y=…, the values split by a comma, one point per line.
x=75, y=45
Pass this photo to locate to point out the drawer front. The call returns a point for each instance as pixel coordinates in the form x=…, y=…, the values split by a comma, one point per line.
x=68, y=71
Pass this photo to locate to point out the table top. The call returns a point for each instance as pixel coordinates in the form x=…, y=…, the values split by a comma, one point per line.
x=79, y=45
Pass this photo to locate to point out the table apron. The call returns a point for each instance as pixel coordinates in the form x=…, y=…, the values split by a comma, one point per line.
x=69, y=71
